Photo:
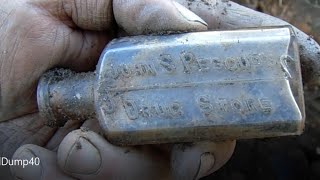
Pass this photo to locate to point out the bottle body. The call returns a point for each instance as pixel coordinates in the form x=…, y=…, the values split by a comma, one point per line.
x=200, y=86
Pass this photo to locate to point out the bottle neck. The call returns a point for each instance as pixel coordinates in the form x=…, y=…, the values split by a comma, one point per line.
x=64, y=95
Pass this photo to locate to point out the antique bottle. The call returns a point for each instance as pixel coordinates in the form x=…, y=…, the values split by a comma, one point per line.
x=185, y=87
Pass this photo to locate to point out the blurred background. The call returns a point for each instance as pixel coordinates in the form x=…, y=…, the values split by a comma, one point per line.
x=285, y=158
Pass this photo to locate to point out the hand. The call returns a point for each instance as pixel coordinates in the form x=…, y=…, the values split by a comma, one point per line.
x=38, y=35
x=218, y=15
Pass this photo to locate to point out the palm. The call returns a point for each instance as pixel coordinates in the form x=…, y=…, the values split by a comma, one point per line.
x=24, y=59
x=31, y=48
x=33, y=41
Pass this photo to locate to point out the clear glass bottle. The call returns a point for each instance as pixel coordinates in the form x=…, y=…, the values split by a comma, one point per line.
x=185, y=87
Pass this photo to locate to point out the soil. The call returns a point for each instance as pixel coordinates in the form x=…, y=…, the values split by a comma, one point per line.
x=304, y=14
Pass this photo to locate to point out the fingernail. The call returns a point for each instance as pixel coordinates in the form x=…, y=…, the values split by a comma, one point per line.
x=83, y=151
x=206, y=164
x=26, y=170
x=190, y=16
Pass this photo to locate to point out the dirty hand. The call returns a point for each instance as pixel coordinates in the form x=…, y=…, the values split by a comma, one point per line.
x=37, y=35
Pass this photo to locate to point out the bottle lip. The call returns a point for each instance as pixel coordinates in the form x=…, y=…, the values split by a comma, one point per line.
x=43, y=96
x=43, y=99
x=58, y=99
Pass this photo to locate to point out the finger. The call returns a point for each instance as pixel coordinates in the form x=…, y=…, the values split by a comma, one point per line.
x=58, y=136
x=92, y=125
x=80, y=50
x=194, y=161
x=90, y=14
x=153, y=16
x=220, y=14
x=87, y=15
x=44, y=164
x=29, y=129
x=135, y=17
x=86, y=155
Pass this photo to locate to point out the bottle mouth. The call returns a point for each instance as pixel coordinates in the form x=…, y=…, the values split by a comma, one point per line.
x=64, y=95
x=44, y=96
